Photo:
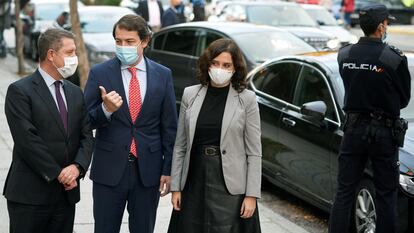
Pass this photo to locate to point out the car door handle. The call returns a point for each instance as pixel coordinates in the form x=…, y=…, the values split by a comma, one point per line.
x=288, y=121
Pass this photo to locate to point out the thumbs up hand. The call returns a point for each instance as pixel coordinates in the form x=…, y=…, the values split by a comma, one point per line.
x=112, y=101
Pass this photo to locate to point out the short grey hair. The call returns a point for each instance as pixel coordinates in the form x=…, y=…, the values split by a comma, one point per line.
x=52, y=39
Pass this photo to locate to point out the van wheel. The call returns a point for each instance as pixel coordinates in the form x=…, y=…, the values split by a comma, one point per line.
x=364, y=208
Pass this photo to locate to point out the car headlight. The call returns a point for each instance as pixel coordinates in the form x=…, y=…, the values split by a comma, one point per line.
x=333, y=44
x=407, y=182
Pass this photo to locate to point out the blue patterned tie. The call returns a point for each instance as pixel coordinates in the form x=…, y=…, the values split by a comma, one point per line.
x=62, y=108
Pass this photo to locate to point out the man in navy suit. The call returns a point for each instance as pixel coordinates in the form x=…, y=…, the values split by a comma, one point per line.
x=131, y=104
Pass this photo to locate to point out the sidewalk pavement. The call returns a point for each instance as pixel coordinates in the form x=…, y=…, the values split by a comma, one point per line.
x=401, y=29
x=271, y=222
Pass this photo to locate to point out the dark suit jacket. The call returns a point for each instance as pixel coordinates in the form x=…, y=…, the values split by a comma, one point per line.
x=154, y=130
x=142, y=10
x=171, y=17
x=42, y=148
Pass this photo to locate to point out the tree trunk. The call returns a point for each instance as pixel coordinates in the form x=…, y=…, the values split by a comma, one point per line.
x=19, y=39
x=83, y=68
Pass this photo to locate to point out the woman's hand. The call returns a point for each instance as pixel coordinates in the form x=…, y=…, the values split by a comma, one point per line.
x=176, y=200
x=248, y=207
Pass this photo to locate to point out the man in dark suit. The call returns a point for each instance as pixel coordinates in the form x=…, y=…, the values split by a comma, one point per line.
x=131, y=103
x=174, y=14
x=52, y=141
x=151, y=11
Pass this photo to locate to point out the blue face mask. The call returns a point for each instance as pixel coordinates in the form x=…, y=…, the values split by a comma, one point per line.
x=128, y=55
x=384, y=36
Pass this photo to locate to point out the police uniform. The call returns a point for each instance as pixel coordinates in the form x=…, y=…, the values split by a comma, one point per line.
x=377, y=86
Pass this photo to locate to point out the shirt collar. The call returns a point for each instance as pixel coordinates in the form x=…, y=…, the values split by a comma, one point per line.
x=370, y=39
x=48, y=79
x=140, y=66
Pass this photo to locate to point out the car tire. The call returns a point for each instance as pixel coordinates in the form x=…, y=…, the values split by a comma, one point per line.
x=364, y=215
x=34, y=54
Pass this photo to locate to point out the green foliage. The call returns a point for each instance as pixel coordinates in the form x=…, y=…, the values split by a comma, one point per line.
x=108, y=2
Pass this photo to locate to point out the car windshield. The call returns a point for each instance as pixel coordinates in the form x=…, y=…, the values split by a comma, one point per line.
x=279, y=16
x=50, y=11
x=322, y=17
x=270, y=44
x=101, y=22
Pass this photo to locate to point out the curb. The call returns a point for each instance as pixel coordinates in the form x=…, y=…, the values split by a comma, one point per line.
x=401, y=30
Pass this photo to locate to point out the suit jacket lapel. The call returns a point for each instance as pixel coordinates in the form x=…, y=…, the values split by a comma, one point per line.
x=43, y=91
x=229, y=110
x=152, y=75
x=195, y=111
x=115, y=78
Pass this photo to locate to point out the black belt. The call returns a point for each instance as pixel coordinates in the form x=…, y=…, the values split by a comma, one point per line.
x=131, y=158
x=207, y=150
x=379, y=119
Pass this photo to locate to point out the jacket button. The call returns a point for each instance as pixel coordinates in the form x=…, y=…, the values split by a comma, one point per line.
x=223, y=152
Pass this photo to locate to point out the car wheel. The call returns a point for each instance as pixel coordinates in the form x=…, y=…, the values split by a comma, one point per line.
x=34, y=53
x=364, y=209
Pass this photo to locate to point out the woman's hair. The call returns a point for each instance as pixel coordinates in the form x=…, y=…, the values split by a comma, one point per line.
x=215, y=49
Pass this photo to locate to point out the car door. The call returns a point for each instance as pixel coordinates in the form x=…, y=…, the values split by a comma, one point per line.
x=310, y=145
x=176, y=49
x=274, y=85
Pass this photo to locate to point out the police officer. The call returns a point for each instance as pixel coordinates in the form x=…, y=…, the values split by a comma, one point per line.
x=377, y=86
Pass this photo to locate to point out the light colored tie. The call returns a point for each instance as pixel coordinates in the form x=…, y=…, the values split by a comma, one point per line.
x=135, y=103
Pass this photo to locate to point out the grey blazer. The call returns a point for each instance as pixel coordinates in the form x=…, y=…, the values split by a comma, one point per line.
x=240, y=143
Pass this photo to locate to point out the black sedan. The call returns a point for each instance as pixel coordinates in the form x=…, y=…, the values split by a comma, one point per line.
x=301, y=141
x=178, y=47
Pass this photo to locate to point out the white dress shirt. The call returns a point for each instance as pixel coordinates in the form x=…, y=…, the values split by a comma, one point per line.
x=154, y=16
x=126, y=79
x=50, y=83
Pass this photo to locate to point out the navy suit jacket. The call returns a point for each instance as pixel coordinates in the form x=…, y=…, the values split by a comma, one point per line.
x=154, y=130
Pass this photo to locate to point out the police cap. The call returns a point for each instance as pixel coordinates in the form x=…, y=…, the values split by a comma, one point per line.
x=374, y=14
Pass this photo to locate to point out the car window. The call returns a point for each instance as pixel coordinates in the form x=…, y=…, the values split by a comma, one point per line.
x=159, y=41
x=210, y=37
x=313, y=87
x=181, y=41
x=206, y=41
x=278, y=80
x=279, y=16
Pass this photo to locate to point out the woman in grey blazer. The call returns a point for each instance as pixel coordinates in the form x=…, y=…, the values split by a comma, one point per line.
x=216, y=167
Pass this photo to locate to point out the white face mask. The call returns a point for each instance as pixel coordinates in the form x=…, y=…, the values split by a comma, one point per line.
x=220, y=76
x=71, y=63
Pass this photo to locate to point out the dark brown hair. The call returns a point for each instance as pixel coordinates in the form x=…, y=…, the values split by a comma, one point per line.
x=52, y=39
x=238, y=80
x=133, y=23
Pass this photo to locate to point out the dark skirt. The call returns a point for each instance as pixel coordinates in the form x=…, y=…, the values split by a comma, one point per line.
x=206, y=205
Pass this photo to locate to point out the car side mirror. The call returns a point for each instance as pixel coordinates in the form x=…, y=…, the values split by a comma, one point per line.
x=314, y=111
x=320, y=22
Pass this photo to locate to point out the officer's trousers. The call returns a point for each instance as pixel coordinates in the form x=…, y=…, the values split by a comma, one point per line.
x=354, y=153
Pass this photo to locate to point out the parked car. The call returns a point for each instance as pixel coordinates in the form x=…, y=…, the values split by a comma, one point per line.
x=97, y=23
x=301, y=142
x=328, y=23
x=179, y=46
x=404, y=14
x=284, y=15
x=37, y=16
